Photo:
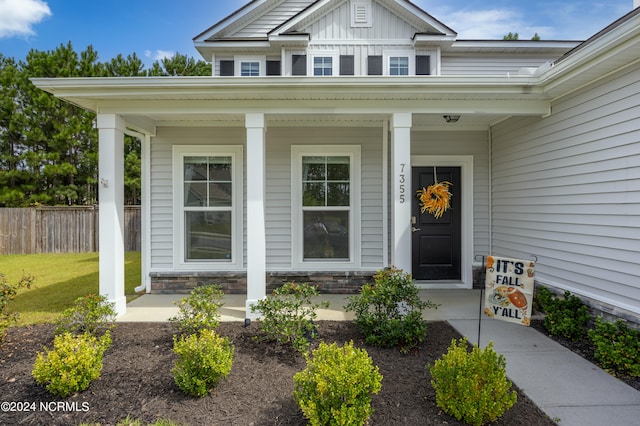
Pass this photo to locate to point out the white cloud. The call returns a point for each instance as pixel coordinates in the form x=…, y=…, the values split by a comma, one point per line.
x=483, y=24
x=158, y=55
x=17, y=17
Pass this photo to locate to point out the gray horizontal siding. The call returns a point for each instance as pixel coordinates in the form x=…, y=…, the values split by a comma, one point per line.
x=488, y=64
x=278, y=191
x=567, y=189
x=162, y=238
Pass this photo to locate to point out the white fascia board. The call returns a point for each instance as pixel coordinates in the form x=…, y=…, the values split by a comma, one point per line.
x=234, y=44
x=621, y=40
x=95, y=85
x=289, y=40
x=543, y=46
x=199, y=94
x=429, y=40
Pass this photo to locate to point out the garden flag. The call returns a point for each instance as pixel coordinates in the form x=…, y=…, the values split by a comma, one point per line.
x=509, y=289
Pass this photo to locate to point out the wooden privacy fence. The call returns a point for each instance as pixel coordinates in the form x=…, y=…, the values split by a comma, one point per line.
x=60, y=229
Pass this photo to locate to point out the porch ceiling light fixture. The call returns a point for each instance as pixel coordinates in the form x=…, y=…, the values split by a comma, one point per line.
x=450, y=118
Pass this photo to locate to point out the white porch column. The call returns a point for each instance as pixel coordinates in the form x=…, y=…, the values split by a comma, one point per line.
x=111, y=218
x=256, y=242
x=401, y=190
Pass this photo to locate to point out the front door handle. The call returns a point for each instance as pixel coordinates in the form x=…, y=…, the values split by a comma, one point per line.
x=414, y=229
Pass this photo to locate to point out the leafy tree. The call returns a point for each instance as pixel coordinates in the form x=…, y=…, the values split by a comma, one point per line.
x=48, y=147
x=179, y=65
x=131, y=66
x=60, y=137
x=515, y=36
x=132, y=171
x=14, y=180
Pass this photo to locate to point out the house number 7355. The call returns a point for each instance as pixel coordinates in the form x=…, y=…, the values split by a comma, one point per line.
x=402, y=181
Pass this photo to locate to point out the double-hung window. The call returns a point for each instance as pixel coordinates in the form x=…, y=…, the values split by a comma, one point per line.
x=326, y=205
x=208, y=206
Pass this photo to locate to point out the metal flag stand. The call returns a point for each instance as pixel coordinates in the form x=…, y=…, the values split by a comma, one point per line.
x=484, y=268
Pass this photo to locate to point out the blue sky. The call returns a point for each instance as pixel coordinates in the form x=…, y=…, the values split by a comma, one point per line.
x=157, y=28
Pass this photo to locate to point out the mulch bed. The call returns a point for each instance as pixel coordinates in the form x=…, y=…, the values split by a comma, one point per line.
x=137, y=381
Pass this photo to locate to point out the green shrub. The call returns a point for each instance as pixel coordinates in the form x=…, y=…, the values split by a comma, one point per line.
x=472, y=386
x=91, y=314
x=336, y=386
x=389, y=312
x=74, y=362
x=617, y=347
x=288, y=314
x=567, y=317
x=199, y=310
x=203, y=360
x=8, y=292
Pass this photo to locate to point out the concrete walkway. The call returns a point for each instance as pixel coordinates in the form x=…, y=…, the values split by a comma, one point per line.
x=567, y=388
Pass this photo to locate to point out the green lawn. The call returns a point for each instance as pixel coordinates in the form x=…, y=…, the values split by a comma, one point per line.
x=59, y=280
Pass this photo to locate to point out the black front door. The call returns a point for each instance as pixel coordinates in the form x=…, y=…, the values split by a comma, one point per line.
x=436, y=243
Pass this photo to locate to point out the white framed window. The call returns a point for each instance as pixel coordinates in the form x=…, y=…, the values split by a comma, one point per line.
x=250, y=69
x=322, y=65
x=250, y=66
x=325, y=206
x=399, y=63
x=207, y=207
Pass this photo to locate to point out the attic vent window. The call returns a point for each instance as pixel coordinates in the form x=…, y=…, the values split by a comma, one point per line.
x=361, y=13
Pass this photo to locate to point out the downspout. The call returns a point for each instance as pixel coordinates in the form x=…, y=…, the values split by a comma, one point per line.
x=145, y=243
x=145, y=143
x=490, y=136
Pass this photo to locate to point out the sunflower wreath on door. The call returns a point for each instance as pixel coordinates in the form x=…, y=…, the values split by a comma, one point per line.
x=435, y=199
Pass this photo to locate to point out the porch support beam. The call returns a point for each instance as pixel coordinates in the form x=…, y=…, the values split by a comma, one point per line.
x=401, y=190
x=256, y=240
x=111, y=129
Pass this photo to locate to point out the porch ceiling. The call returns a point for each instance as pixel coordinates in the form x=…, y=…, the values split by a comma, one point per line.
x=434, y=122
x=151, y=102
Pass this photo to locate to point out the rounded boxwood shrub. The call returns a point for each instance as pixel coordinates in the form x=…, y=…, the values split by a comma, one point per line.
x=472, y=386
x=203, y=360
x=336, y=386
x=74, y=362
